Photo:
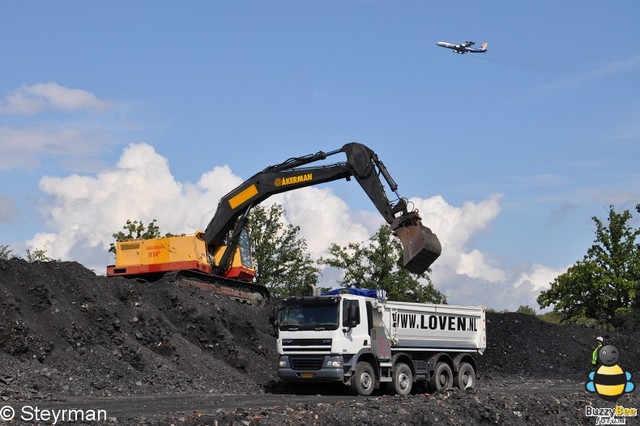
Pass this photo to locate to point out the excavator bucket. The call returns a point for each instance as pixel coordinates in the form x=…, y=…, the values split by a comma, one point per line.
x=421, y=247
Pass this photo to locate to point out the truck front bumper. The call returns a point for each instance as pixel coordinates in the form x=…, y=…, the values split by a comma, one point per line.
x=299, y=368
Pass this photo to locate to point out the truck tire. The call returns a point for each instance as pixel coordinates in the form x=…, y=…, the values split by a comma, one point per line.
x=465, y=379
x=442, y=377
x=402, y=380
x=363, y=379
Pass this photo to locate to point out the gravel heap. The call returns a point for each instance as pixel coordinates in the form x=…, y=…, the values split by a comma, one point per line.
x=67, y=333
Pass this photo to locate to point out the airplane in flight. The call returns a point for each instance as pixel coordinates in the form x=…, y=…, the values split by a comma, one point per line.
x=464, y=47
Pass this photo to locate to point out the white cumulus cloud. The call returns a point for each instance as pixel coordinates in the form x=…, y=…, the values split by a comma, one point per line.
x=467, y=275
x=36, y=98
x=324, y=218
x=455, y=227
x=538, y=277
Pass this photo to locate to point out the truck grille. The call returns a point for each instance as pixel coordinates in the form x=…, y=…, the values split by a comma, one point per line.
x=315, y=346
x=306, y=362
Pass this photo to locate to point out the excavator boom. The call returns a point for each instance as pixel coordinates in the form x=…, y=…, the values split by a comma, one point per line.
x=421, y=247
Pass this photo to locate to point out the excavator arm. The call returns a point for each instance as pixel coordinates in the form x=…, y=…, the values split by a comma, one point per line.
x=421, y=246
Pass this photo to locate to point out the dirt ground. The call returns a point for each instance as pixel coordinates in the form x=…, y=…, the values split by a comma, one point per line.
x=67, y=334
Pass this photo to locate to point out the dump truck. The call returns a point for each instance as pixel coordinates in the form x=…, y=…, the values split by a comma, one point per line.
x=219, y=258
x=366, y=342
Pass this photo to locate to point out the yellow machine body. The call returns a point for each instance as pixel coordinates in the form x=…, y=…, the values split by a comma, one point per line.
x=186, y=252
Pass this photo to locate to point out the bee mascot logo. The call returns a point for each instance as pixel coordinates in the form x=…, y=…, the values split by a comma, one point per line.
x=609, y=381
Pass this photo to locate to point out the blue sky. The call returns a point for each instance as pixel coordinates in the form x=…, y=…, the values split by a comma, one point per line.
x=115, y=110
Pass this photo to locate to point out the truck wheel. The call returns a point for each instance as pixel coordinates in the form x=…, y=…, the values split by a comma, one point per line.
x=402, y=379
x=363, y=379
x=442, y=377
x=466, y=377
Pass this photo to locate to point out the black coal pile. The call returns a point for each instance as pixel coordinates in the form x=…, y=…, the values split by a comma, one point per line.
x=523, y=345
x=67, y=333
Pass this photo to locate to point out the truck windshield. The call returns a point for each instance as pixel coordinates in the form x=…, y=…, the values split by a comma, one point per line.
x=317, y=316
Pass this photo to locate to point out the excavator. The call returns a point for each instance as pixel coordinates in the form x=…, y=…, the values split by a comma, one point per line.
x=219, y=259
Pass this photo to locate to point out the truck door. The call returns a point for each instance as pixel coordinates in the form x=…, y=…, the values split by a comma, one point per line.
x=356, y=335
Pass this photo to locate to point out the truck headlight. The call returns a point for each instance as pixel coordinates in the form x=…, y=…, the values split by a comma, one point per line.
x=334, y=363
x=283, y=363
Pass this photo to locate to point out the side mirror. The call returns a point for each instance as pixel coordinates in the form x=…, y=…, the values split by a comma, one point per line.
x=353, y=312
x=274, y=318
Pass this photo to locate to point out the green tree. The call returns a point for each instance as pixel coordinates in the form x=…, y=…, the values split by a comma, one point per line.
x=605, y=284
x=526, y=309
x=38, y=255
x=283, y=264
x=378, y=265
x=136, y=230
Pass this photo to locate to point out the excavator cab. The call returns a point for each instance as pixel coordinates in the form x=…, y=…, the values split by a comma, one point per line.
x=240, y=263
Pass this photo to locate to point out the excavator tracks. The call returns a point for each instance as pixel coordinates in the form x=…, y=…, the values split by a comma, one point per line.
x=242, y=291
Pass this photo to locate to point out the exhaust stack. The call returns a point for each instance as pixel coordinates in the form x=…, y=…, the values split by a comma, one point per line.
x=421, y=247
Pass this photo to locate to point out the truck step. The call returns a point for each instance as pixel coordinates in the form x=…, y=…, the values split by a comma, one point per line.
x=385, y=371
